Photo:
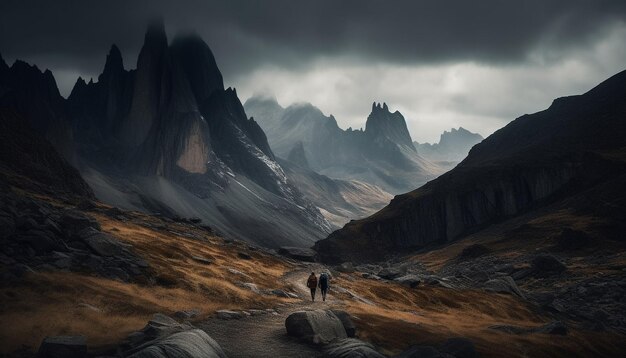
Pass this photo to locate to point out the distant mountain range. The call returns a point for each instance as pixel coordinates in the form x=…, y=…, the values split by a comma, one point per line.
x=566, y=160
x=382, y=155
x=453, y=146
x=168, y=138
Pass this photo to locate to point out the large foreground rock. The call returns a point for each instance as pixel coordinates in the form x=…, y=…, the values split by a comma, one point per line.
x=194, y=343
x=298, y=253
x=63, y=347
x=351, y=348
x=317, y=327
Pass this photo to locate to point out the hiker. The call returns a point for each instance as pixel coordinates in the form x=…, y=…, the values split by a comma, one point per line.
x=324, y=284
x=312, y=284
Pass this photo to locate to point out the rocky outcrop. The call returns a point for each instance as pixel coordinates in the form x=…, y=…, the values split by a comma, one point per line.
x=146, y=95
x=34, y=96
x=164, y=337
x=28, y=161
x=534, y=160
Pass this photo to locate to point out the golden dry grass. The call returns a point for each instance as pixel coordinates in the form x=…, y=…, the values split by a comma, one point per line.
x=53, y=303
x=429, y=315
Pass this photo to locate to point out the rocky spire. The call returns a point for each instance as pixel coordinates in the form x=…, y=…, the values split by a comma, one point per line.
x=114, y=63
x=382, y=123
x=147, y=87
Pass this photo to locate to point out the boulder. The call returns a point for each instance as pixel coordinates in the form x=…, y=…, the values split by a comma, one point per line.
x=409, y=280
x=346, y=320
x=187, y=314
x=389, y=273
x=104, y=245
x=351, y=348
x=192, y=343
x=546, y=265
x=298, y=253
x=158, y=327
x=317, y=327
x=504, y=284
x=459, y=348
x=227, y=314
x=63, y=347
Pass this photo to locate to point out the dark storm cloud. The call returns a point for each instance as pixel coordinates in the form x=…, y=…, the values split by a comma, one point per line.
x=247, y=34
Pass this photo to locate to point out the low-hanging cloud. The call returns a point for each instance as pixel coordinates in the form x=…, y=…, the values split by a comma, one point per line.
x=435, y=61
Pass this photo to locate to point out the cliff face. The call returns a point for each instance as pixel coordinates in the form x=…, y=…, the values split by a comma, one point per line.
x=35, y=97
x=155, y=136
x=536, y=159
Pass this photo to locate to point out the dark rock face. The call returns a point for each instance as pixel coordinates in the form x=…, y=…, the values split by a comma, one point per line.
x=172, y=119
x=42, y=237
x=459, y=347
x=535, y=160
x=29, y=161
x=381, y=155
x=34, y=96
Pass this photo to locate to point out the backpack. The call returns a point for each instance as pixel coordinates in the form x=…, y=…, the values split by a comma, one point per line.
x=323, y=280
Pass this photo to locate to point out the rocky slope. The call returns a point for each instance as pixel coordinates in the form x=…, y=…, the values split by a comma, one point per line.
x=339, y=200
x=572, y=147
x=381, y=155
x=169, y=138
x=452, y=147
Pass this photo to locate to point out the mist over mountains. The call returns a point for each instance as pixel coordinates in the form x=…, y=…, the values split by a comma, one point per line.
x=382, y=154
x=168, y=138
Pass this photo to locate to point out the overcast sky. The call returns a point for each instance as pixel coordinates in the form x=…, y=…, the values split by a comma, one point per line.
x=443, y=64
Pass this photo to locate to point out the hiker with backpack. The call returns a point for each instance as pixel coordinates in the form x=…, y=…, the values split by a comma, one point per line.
x=324, y=284
x=312, y=284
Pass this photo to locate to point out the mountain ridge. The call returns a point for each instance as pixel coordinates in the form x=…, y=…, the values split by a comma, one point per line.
x=536, y=159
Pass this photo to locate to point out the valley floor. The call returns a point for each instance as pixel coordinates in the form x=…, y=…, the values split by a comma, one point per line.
x=191, y=269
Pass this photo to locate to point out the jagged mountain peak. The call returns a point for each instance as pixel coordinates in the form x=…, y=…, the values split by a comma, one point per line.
x=382, y=123
x=155, y=35
x=114, y=61
x=198, y=62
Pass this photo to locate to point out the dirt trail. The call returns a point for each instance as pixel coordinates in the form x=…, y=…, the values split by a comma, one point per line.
x=265, y=335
